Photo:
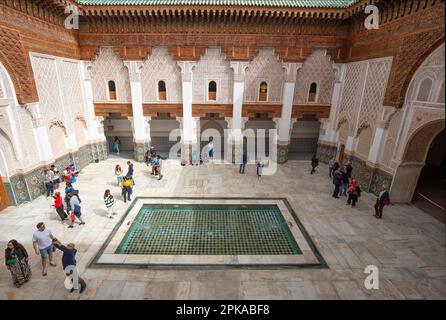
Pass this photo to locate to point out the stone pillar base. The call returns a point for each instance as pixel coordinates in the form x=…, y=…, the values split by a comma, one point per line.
x=140, y=150
x=282, y=153
x=237, y=152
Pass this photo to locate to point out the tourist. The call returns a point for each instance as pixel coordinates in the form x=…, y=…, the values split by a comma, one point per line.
x=68, y=187
x=354, y=192
x=69, y=263
x=337, y=181
x=382, y=200
x=330, y=166
x=344, y=179
x=127, y=188
x=109, y=202
x=75, y=205
x=244, y=162
x=56, y=176
x=58, y=204
x=314, y=163
x=74, y=173
x=349, y=168
x=153, y=163
x=48, y=176
x=211, y=148
x=130, y=172
x=116, y=144
x=118, y=173
x=159, y=167
x=260, y=166
x=16, y=260
x=68, y=175
x=335, y=166
x=43, y=245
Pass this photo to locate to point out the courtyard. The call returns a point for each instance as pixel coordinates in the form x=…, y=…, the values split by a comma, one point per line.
x=407, y=245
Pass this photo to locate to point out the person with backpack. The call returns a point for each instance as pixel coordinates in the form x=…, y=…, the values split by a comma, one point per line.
x=75, y=204
x=337, y=181
x=56, y=176
x=349, y=169
x=382, y=201
x=126, y=188
x=109, y=203
x=354, y=192
x=58, y=204
x=314, y=163
x=244, y=162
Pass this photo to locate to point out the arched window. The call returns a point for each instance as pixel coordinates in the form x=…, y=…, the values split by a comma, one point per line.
x=162, y=90
x=212, y=91
x=263, y=91
x=111, y=90
x=424, y=90
x=312, y=92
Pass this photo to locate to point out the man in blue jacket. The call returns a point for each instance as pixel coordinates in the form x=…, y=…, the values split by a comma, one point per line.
x=382, y=200
x=69, y=263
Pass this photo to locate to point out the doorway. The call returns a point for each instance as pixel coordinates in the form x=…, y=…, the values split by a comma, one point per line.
x=3, y=196
x=341, y=154
x=429, y=191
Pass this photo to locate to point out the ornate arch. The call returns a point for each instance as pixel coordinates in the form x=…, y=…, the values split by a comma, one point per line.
x=7, y=137
x=420, y=140
x=59, y=124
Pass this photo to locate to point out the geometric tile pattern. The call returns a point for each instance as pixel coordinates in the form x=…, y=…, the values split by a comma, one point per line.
x=266, y=66
x=160, y=66
x=212, y=66
x=375, y=86
x=209, y=230
x=318, y=69
x=109, y=67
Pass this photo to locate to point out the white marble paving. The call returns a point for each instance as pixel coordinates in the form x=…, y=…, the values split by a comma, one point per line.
x=408, y=246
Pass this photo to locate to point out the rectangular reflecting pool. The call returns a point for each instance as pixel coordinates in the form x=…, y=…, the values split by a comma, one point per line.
x=188, y=232
x=203, y=229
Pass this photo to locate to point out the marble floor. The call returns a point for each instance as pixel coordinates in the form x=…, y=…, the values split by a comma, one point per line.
x=407, y=245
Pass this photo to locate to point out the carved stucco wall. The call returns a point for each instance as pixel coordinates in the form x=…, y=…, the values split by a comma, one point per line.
x=419, y=114
x=266, y=66
x=318, y=68
x=392, y=136
x=108, y=66
x=212, y=66
x=7, y=149
x=160, y=66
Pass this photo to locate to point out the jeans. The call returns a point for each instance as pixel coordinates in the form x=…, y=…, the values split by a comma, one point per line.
x=344, y=188
x=336, y=190
x=49, y=189
x=242, y=167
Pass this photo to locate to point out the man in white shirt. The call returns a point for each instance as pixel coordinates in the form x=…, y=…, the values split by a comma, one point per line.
x=43, y=245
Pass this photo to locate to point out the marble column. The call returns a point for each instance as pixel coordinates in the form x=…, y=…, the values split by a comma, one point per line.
x=138, y=122
x=235, y=136
x=284, y=123
x=188, y=138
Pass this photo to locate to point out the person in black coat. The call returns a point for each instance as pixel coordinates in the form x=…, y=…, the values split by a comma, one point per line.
x=382, y=200
x=314, y=163
x=337, y=181
x=69, y=263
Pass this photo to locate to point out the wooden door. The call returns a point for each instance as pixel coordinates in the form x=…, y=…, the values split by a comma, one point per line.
x=3, y=197
x=341, y=154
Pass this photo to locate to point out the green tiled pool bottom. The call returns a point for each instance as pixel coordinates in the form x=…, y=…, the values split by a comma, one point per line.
x=204, y=229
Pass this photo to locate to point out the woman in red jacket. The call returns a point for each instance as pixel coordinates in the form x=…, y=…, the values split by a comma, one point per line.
x=58, y=204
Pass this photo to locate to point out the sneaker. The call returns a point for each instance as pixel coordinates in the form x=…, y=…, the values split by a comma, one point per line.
x=114, y=213
x=81, y=223
x=44, y=273
x=82, y=289
x=53, y=264
x=70, y=226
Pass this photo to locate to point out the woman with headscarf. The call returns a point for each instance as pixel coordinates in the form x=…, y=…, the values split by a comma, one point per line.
x=16, y=260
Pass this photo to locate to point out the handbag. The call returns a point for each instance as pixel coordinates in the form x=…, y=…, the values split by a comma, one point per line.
x=72, y=217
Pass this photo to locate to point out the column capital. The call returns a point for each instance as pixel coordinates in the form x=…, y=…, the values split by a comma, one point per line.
x=291, y=69
x=134, y=69
x=85, y=70
x=186, y=70
x=239, y=68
